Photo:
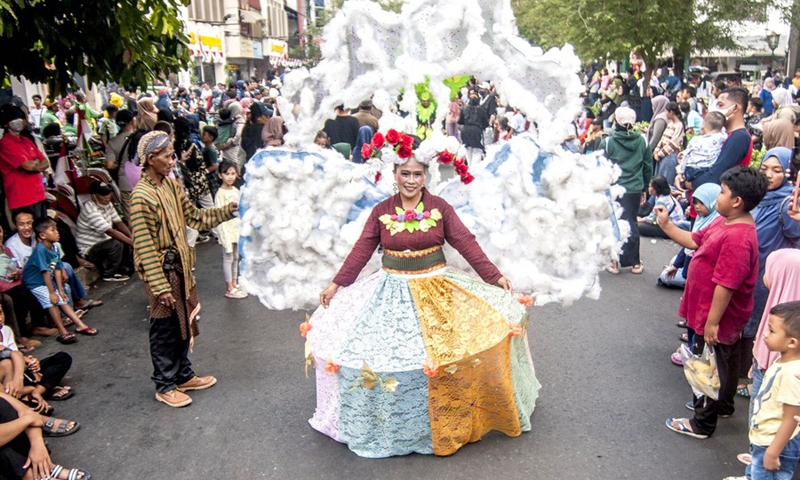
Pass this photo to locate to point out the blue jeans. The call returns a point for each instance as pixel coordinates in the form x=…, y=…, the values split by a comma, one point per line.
x=758, y=379
x=788, y=457
x=78, y=292
x=678, y=281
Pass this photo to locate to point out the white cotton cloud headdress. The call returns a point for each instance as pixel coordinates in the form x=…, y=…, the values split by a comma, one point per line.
x=546, y=217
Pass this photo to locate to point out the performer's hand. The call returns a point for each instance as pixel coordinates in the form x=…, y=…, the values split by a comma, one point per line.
x=233, y=207
x=326, y=295
x=167, y=299
x=505, y=284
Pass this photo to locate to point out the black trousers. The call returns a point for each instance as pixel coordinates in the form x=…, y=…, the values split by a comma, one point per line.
x=650, y=230
x=630, y=251
x=170, y=354
x=14, y=454
x=53, y=369
x=109, y=256
x=707, y=411
x=18, y=302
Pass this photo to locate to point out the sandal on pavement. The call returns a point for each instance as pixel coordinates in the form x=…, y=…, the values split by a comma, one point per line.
x=681, y=324
x=637, y=269
x=90, y=304
x=60, y=429
x=87, y=331
x=72, y=474
x=613, y=268
x=676, y=359
x=235, y=293
x=67, y=338
x=743, y=391
x=81, y=312
x=684, y=337
x=67, y=322
x=61, y=393
x=745, y=458
x=683, y=428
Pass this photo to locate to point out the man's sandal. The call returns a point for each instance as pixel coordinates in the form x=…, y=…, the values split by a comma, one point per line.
x=72, y=474
x=61, y=393
x=67, y=338
x=50, y=429
x=637, y=269
x=682, y=428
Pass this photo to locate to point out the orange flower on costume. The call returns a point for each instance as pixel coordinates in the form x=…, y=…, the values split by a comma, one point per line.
x=430, y=368
x=304, y=328
x=515, y=330
x=331, y=367
x=526, y=300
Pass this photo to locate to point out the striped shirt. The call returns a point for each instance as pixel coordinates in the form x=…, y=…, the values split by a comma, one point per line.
x=159, y=216
x=93, y=223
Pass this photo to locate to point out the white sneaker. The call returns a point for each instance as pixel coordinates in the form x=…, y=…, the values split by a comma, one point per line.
x=117, y=278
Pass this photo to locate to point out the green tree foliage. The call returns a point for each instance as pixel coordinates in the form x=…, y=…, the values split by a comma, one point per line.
x=610, y=29
x=129, y=42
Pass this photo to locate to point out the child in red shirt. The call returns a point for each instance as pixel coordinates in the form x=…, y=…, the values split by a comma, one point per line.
x=718, y=298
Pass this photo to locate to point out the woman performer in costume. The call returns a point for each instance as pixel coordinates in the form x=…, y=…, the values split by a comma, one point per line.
x=418, y=357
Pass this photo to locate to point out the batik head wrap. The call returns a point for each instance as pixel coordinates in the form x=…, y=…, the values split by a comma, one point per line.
x=150, y=143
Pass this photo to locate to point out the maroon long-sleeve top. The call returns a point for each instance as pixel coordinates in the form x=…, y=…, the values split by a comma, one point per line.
x=449, y=228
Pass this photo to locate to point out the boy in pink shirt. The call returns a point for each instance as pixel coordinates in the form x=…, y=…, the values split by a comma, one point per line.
x=718, y=298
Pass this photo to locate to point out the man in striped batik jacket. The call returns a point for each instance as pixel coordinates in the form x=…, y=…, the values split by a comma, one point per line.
x=160, y=213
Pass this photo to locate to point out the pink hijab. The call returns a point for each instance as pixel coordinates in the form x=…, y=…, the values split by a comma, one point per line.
x=782, y=276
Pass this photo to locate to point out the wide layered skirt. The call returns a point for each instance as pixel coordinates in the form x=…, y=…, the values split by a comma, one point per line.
x=420, y=363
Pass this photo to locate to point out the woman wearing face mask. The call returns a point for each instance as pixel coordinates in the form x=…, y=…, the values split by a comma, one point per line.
x=21, y=164
x=418, y=345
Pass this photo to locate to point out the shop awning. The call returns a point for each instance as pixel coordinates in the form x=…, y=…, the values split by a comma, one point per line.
x=249, y=16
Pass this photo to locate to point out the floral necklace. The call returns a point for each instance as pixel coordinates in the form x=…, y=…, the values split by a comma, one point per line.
x=411, y=220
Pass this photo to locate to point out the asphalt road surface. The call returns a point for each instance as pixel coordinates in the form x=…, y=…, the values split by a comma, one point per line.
x=608, y=386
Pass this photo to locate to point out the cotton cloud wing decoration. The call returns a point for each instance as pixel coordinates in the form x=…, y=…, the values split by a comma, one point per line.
x=543, y=215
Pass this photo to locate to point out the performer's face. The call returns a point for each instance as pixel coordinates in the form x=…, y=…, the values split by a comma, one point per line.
x=410, y=178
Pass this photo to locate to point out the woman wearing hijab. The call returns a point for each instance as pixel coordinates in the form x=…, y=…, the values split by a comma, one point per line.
x=666, y=152
x=704, y=200
x=775, y=230
x=148, y=113
x=782, y=278
x=779, y=132
x=766, y=95
x=781, y=97
x=272, y=133
x=659, y=122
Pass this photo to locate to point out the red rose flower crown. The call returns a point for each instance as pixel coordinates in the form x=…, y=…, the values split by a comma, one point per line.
x=397, y=148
